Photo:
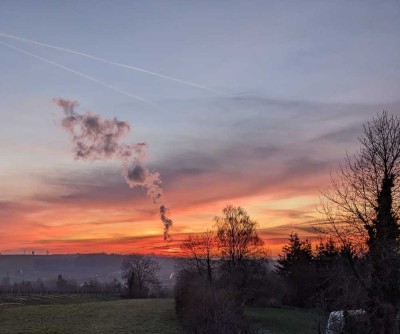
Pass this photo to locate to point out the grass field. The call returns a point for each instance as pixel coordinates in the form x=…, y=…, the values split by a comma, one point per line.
x=90, y=314
x=122, y=316
x=7, y=301
x=284, y=321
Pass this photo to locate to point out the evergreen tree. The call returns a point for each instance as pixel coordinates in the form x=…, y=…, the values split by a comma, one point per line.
x=363, y=203
x=295, y=265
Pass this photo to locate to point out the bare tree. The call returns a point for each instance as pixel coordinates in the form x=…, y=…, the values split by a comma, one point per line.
x=139, y=272
x=243, y=258
x=200, y=254
x=362, y=207
x=221, y=271
x=237, y=236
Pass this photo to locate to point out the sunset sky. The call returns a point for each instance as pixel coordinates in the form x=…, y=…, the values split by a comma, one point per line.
x=289, y=85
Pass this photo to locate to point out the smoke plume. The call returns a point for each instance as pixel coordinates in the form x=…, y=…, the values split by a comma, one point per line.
x=166, y=221
x=95, y=138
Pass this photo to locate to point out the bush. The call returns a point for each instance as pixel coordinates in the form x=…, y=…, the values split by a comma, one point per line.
x=204, y=308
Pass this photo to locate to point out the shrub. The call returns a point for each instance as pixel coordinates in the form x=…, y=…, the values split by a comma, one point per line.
x=204, y=308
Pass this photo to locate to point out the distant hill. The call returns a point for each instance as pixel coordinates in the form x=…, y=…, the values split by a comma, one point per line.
x=79, y=267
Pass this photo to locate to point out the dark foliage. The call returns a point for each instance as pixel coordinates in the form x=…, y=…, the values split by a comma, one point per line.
x=223, y=271
x=363, y=204
x=296, y=267
x=139, y=272
x=205, y=308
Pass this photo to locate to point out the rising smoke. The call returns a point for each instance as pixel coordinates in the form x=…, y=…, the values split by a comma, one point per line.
x=96, y=138
x=166, y=221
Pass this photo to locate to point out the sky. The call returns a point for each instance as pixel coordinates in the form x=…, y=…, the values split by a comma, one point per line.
x=285, y=89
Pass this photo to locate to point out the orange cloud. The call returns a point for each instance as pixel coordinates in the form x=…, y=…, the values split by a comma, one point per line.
x=257, y=165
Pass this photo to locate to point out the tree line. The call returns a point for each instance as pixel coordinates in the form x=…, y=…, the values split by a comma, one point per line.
x=356, y=264
x=60, y=285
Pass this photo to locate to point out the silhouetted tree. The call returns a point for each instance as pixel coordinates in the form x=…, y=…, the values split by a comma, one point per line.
x=139, y=272
x=222, y=271
x=39, y=285
x=326, y=261
x=113, y=287
x=242, y=254
x=238, y=239
x=200, y=254
x=61, y=283
x=295, y=265
x=335, y=285
x=363, y=204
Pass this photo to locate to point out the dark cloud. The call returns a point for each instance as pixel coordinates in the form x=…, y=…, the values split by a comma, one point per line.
x=345, y=135
x=101, y=186
x=137, y=174
x=114, y=240
x=291, y=213
x=196, y=182
x=305, y=166
x=305, y=228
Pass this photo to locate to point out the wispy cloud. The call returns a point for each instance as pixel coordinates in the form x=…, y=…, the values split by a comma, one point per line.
x=253, y=162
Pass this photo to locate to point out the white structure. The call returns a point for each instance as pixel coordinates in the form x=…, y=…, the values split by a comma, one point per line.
x=336, y=320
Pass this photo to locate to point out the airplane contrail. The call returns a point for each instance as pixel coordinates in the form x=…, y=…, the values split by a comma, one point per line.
x=133, y=68
x=83, y=75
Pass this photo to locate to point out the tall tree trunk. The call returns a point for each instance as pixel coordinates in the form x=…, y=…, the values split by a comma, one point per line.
x=383, y=251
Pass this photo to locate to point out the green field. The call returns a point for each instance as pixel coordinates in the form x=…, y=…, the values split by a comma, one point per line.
x=285, y=321
x=122, y=316
x=49, y=299
x=88, y=314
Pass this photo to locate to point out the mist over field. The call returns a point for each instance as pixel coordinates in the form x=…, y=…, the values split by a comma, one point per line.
x=77, y=267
